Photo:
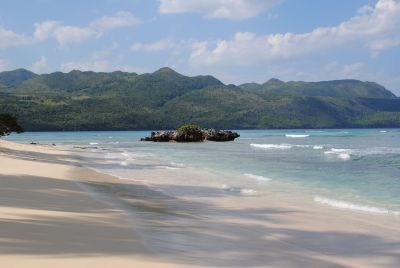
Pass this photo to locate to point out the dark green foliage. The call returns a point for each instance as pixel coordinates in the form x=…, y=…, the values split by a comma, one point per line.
x=337, y=88
x=189, y=129
x=166, y=99
x=16, y=77
x=8, y=124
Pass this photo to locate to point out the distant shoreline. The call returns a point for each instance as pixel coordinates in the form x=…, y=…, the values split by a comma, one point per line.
x=233, y=129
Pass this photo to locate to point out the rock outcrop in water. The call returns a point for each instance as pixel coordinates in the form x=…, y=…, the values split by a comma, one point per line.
x=219, y=135
x=192, y=134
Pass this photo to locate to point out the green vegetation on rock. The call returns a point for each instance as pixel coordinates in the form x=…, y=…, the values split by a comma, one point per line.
x=189, y=129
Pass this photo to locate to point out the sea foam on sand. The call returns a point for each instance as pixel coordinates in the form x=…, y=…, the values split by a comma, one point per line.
x=351, y=206
x=256, y=177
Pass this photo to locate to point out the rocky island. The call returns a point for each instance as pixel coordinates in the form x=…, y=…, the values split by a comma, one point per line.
x=191, y=133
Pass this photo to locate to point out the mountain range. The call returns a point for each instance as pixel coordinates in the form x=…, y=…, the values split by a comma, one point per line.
x=166, y=99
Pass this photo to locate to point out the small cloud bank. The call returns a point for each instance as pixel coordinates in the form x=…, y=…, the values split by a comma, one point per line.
x=40, y=66
x=160, y=45
x=9, y=38
x=218, y=9
x=375, y=28
x=66, y=34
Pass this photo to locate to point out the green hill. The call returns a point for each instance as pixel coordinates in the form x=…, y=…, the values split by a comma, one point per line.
x=16, y=77
x=337, y=88
x=166, y=99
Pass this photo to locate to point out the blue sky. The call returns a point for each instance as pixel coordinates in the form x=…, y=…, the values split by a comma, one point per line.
x=235, y=40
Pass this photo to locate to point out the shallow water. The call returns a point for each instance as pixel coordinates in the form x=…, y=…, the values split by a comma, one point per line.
x=355, y=169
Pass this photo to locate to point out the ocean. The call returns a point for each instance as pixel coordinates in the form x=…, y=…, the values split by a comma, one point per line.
x=351, y=169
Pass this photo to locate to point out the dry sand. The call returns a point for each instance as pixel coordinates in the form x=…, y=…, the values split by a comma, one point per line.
x=55, y=213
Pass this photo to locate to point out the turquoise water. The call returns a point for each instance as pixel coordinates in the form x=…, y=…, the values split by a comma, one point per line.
x=349, y=168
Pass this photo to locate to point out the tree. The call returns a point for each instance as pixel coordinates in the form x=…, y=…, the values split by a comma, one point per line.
x=8, y=124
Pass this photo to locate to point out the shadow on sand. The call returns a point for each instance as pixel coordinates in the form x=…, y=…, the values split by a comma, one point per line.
x=186, y=232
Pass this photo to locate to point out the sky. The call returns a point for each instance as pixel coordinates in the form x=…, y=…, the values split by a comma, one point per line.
x=236, y=41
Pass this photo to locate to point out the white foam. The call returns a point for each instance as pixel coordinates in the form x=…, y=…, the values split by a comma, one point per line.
x=383, y=131
x=343, y=154
x=376, y=151
x=248, y=192
x=318, y=147
x=356, y=207
x=238, y=190
x=177, y=164
x=113, y=156
x=334, y=150
x=123, y=163
x=282, y=146
x=256, y=177
x=93, y=143
x=297, y=135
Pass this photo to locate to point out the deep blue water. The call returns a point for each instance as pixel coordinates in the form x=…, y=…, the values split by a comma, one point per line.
x=352, y=166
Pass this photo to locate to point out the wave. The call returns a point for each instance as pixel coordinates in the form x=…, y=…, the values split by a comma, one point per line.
x=113, y=156
x=343, y=154
x=318, y=147
x=297, y=135
x=377, y=151
x=93, y=143
x=356, y=207
x=256, y=177
x=176, y=164
x=282, y=146
x=238, y=190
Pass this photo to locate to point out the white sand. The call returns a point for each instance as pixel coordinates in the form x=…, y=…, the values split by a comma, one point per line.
x=54, y=213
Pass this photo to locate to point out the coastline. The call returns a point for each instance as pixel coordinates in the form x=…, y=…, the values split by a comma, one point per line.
x=47, y=220
x=56, y=212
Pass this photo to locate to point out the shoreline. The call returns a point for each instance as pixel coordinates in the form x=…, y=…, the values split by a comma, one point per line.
x=193, y=230
x=47, y=219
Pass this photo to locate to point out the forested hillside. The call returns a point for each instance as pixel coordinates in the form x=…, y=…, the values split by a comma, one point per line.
x=166, y=99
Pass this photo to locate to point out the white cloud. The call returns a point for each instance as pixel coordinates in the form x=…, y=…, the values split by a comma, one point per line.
x=377, y=29
x=73, y=35
x=162, y=44
x=377, y=46
x=87, y=65
x=40, y=66
x=9, y=38
x=118, y=20
x=99, y=65
x=4, y=65
x=221, y=9
x=44, y=29
x=67, y=34
x=99, y=61
x=334, y=70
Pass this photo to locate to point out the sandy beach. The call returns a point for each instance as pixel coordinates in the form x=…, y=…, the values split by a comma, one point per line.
x=55, y=212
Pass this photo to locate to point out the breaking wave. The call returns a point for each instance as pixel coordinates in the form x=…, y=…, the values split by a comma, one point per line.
x=238, y=190
x=356, y=207
x=297, y=135
x=343, y=154
x=282, y=146
x=256, y=177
